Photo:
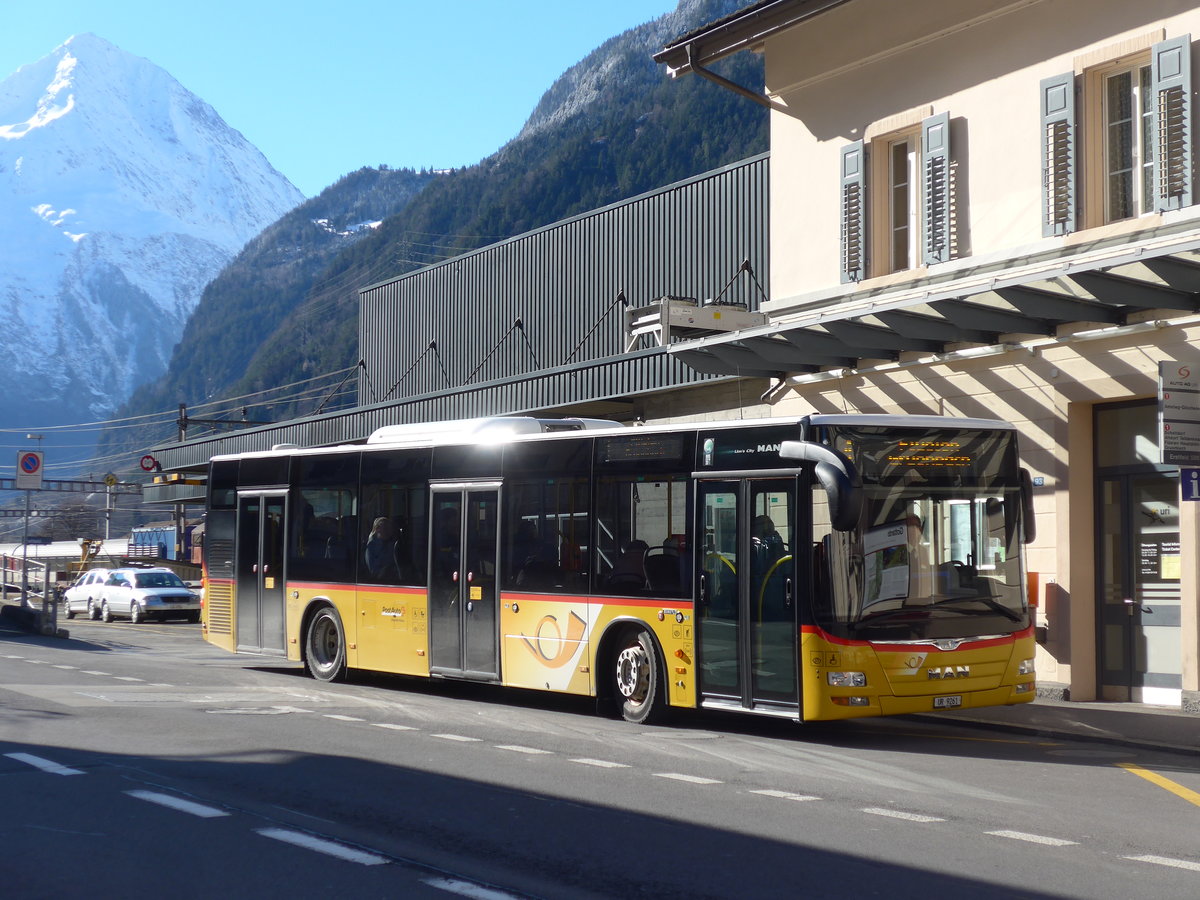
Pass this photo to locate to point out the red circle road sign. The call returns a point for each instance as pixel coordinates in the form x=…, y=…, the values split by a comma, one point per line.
x=30, y=463
x=148, y=463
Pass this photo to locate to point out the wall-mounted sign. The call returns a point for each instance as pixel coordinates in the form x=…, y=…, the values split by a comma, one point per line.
x=1179, y=413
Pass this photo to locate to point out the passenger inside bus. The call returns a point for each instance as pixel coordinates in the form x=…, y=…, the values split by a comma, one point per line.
x=380, y=553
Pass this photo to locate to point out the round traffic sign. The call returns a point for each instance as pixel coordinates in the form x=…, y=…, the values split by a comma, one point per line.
x=149, y=463
x=30, y=463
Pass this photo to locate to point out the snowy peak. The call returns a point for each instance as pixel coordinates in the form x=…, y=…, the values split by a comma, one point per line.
x=92, y=118
x=121, y=195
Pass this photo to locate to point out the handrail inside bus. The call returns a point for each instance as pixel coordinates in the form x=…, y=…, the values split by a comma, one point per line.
x=839, y=477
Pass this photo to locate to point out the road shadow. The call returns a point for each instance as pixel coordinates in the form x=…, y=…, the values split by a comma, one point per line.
x=522, y=840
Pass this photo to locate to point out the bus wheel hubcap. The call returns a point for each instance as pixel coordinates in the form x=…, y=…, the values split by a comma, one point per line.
x=632, y=673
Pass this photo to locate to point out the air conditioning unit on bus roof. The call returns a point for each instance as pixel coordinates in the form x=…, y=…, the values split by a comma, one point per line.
x=490, y=428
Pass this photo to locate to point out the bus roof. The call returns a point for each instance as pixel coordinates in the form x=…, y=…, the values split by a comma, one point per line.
x=501, y=429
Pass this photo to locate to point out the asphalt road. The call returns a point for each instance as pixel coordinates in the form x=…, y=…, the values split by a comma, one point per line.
x=139, y=761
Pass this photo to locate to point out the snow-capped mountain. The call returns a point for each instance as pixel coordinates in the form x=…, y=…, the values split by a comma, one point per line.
x=121, y=195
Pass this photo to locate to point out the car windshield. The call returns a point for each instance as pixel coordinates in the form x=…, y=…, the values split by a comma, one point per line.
x=158, y=579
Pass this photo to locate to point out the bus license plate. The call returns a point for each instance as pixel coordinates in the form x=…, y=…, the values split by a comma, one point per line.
x=947, y=702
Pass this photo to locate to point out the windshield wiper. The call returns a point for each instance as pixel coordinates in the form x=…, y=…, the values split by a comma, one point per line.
x=873, y=618
x=992, y=605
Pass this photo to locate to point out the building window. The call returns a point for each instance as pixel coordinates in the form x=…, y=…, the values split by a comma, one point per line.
x=902, y=202
x=910, y=210
x=1128, y=122
x=1132, y=147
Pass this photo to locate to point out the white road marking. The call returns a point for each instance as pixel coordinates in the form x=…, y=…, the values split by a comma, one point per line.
x=1167, y=861
x=393, y=727
x=517, y=748
x=897, y=814
x=10, y=656
x=126, y=678
x=94, y=672
x=456, y=737
x=64, y=667
x=600, y=763
x=467, y=889
x=329, y=848
x=786, y=795
x=1033, y=838
x=343, y=718
x=690, y=779
x=187, y=806
x=45, y=765
x=36, y=662
x=256, y=711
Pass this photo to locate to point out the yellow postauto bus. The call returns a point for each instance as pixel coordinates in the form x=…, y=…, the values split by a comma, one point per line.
x=822, y=567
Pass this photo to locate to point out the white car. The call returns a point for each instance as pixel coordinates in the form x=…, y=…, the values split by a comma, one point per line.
x=140, y=594
x=83, y=596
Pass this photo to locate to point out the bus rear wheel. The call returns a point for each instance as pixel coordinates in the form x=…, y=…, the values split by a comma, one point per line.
x=325, y=646
x=637, y=681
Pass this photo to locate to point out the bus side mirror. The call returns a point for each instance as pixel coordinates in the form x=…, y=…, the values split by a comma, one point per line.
x=842, y=483
x=1028, y=525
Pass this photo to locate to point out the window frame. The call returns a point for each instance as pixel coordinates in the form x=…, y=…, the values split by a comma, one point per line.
x=1097, y=121
x=883, y=187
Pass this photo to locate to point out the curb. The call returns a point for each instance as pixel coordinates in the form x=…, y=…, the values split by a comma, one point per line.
x=1049, y=731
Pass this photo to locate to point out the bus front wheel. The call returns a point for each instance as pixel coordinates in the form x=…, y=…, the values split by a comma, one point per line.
x=325, y=646
x=636, y=679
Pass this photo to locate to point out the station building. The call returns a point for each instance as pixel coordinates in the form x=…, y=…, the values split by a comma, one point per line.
x=986, y=207
x=970, y=208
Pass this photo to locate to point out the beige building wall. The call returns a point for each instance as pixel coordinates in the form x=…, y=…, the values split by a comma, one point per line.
x=874, y=66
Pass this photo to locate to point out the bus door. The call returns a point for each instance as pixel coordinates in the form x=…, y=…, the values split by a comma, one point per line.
x=746, y=615
x=261, y=604
x=463, y=595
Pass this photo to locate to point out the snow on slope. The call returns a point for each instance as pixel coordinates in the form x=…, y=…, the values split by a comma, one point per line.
x=121, y=195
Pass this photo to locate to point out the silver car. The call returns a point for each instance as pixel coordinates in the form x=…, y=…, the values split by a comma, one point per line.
x=83, y=596
x=140, y=594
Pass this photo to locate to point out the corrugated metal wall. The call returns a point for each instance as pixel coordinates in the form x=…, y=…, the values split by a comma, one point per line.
x=687, y=239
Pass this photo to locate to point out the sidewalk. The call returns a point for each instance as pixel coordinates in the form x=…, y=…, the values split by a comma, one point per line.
x=1124, y=724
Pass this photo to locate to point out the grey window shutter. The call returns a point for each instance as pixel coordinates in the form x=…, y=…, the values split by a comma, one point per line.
x=1171, y=90
x=1058, y=154
x=854, y=212
x=935, y=158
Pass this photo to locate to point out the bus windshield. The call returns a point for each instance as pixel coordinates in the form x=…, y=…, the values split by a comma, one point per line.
x=936, y=554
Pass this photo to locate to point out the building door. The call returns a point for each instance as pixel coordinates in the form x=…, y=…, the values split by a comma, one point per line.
x=746, y=615
x=1139, y=601
x=463, y=599
x=261, y=605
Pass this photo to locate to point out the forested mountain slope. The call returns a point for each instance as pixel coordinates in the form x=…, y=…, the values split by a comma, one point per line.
x=611, y=127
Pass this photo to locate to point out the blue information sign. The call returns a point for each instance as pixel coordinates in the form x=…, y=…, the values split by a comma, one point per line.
x=1189, y=484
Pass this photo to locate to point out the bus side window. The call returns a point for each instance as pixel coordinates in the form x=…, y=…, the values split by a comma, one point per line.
x=640, y=535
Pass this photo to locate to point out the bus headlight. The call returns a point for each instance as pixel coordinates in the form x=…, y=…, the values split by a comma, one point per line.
x=1026, y=667
x=846, y=679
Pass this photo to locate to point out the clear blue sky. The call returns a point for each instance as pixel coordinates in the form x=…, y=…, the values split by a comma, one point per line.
x=324, y=88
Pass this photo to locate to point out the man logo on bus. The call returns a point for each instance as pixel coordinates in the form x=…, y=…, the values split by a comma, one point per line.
x=935, y=673
x=549, y=646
